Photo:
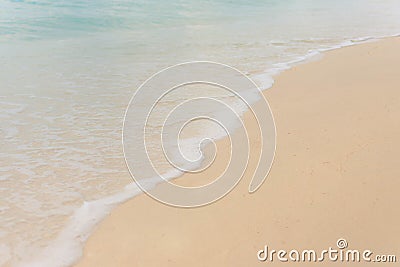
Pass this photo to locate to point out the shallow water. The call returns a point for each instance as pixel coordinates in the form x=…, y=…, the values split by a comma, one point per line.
x=69, y=68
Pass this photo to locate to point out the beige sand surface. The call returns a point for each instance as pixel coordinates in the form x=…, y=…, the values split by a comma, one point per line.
x=336, y=175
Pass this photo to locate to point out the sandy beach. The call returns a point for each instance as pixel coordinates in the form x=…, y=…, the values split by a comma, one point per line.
x=335, y=175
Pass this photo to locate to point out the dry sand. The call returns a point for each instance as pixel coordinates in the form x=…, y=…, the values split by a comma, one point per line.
x=336, y=175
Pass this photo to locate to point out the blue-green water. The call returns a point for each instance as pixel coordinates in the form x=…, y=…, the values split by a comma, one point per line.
x=68, y=69
x=102, y=39
x=63, y=19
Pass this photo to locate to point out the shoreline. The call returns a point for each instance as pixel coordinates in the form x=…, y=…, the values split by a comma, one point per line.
x=108, y=204
x=68, y=78
x=144, y=200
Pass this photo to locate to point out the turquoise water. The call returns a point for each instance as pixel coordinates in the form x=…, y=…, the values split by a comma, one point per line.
x=102, y=39
x=34, y=20
x=62, y=19
x=69, y=68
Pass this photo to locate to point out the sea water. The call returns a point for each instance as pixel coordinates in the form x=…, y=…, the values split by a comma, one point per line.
x=69, y=68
